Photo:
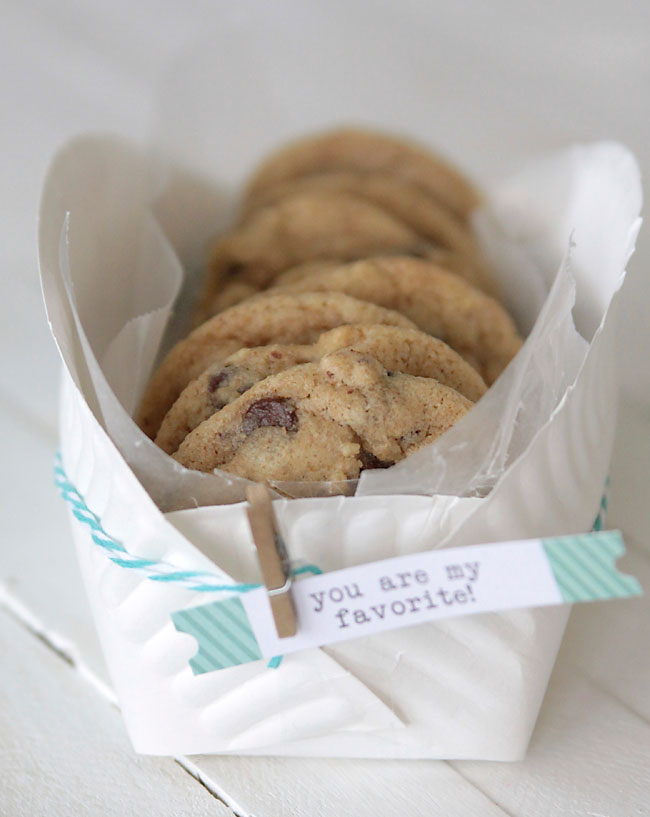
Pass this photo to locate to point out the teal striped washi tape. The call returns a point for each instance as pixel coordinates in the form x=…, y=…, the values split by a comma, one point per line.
x=584, y=566
x=223, y=633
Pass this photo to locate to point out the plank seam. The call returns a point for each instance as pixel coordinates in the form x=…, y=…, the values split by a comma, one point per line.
x=452, y=765
x=195, y=772
x=66, y=652
x=605, y=690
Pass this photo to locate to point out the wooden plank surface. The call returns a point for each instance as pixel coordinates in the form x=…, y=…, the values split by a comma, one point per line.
x=92, y=66
x=588, y=756
x=332, y=787
x=63, y=749
x=38, y=567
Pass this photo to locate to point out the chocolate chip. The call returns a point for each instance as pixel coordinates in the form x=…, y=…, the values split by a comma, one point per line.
x=368, y=461
x=272, y=411
x=216, y=380
x=234, y=268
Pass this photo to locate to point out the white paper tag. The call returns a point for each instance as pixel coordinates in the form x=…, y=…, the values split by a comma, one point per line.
x=409, y=590
x=405, y=591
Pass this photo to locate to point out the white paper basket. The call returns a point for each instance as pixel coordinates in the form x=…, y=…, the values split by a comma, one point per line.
x=461, y=688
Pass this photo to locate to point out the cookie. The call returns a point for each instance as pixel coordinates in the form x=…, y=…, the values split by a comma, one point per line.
x=232, y=293
x=301, y=228
x=408, y=351
x=437, y=301
x=368, y=152
x=447, y=259
x=400, y=198
x=237, y=290
x=397, y=349
x=326, y=421
x=457, y=247
x=308, y=268
x=279, y=318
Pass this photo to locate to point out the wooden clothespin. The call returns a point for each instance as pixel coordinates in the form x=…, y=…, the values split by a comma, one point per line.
x=273, y=558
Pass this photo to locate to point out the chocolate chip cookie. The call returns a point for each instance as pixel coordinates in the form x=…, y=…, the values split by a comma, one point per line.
x=237, y=289
x=300, y=228
x=402, y=199
x=408, y=351
x=368, y=152
x=278, y=318
x=437, y=301
x=325, y=421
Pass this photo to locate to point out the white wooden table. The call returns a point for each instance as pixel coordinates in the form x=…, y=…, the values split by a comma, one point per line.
x=564, y=73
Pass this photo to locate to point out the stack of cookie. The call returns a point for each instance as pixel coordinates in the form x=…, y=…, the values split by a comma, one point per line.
x=348, y=319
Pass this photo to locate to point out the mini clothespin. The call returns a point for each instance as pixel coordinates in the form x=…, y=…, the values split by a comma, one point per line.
x=273, y=558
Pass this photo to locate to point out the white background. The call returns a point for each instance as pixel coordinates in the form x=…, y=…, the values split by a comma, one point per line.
x=513, y=81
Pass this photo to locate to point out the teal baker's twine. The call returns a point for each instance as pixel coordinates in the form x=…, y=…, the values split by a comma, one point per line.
x=154, y=569
x=159, y=571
